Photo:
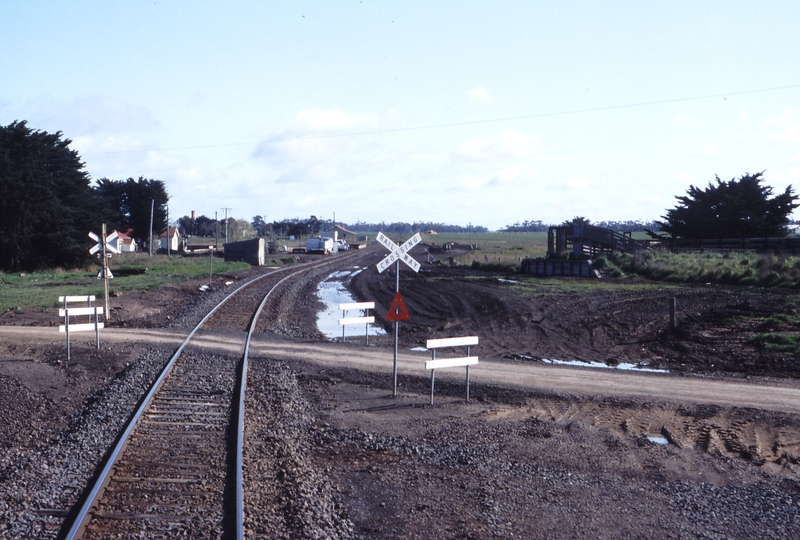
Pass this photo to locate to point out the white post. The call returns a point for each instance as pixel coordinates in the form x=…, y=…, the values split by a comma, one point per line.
x=396, y=331
x=433, y=357
x=66, y=323
x=467, y=366
x=96, y=326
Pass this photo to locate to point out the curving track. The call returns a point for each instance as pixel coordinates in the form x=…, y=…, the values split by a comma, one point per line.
x=176, y=468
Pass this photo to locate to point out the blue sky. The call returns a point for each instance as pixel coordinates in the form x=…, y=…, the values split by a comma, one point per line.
x=456, y=112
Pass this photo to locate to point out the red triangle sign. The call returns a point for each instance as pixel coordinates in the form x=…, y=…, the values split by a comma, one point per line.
x=398, y=310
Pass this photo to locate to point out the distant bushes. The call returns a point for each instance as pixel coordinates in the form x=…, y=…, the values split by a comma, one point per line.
x=779, y=342
x=499, y=266
x=764, y=270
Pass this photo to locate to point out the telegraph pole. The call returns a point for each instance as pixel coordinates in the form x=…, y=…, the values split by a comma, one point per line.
x=226, y=223
x=150, y=240
x=169, y=239
x=106, y=255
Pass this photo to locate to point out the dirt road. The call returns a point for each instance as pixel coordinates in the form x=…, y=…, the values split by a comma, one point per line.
x=783, y=396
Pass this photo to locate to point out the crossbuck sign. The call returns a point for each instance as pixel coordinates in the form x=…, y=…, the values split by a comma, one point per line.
x=398, y=253
x=107, y=241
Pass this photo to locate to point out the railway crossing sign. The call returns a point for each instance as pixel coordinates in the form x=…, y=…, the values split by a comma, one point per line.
x=397, y=311
x=107, y=241
x=104, y=245
x=398, y=253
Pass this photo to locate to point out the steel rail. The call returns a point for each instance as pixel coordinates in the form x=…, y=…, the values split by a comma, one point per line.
x=241, y=412
x=240, y=419
x=84, y=515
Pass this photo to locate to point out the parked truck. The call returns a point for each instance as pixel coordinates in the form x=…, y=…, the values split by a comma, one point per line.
x=321, y=245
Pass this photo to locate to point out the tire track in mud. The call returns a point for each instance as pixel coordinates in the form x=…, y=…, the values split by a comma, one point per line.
x=742, y=433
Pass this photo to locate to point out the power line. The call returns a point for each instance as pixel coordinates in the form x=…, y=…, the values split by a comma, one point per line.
x=455, y=124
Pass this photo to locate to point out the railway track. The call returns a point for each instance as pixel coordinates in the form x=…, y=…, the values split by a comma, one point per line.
x=176, y=468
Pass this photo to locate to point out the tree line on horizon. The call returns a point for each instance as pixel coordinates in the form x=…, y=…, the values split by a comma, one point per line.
x=618, y=226
x=203, y=226
x=48, y=204
x=737, y=208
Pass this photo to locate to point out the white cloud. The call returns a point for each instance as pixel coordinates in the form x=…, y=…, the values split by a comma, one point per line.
x=685, y=179
x=89, y=115
x=388, y=177
x=684, y=120
x=572, y=183
x=783, y=127
x=110, y=144
x=480, y=95
x=506, y=144
x=506, y=176
x=333, y=120
x=709, y=149
x=473, y=182
x=790, y=134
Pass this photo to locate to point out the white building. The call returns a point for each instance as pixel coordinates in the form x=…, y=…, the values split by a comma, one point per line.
x=124, y=243
x=174, y=239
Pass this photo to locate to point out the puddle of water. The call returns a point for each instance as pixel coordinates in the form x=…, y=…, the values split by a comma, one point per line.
x=419, y=349
x=503, y=280
x=658, y=439
x=622, y=365
x=332, y=292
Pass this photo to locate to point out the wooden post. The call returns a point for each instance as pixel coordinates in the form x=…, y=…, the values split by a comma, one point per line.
x=672, y=314
x=211, y=265
x=105, y=272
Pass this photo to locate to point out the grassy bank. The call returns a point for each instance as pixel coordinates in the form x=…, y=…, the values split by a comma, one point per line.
x=725, y=268
x=42, y=289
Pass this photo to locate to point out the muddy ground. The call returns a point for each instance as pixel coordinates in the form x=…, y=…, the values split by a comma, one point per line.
x=511, y=463
x=619, y=321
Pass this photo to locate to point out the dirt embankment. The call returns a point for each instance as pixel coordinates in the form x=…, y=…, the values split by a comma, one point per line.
x=626, y=323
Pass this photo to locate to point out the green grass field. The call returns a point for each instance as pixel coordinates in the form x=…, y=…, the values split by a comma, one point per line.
x=494, y=250
x=37, y=290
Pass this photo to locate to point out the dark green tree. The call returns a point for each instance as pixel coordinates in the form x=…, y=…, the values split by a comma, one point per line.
x=735, y=209
x=112, y=193
x=47, y=206
x=201, y=226
x=128, y=203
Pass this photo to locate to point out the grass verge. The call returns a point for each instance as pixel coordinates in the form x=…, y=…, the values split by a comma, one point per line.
x=38, y=290
x=747, y=268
